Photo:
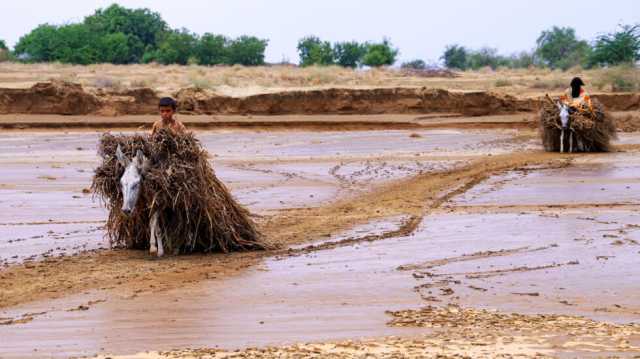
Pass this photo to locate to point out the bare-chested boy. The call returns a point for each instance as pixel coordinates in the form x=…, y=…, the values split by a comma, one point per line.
x=167, y=108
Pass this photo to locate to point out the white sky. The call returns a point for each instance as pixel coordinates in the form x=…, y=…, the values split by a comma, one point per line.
x=420, y=29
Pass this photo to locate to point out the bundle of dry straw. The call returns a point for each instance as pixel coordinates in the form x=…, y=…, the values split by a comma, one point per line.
x=593, y=129
x=197, y=212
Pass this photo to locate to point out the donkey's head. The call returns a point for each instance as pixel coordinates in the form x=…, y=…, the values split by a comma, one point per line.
x=564, y=114
x=130, y=181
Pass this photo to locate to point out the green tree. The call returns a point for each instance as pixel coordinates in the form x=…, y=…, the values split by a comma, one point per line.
x=380, y=54
x=349, y=54
x=247, y=50
x=455, y=57
x=212, y=49
x=144, y=29
x=313, y=51
x=4, y=51
x=114, y=48
x=560, y=48
x=616, y=48
x=76, y=44
x=38, y=45
x=177, y=47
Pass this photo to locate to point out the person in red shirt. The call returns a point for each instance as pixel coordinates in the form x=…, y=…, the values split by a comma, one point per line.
x=576, y=96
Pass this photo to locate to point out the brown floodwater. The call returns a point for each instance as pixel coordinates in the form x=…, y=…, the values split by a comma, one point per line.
x=561, y=240
x=47, y=210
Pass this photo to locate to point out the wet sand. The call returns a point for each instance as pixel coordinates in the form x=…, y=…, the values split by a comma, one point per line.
x=539, y=239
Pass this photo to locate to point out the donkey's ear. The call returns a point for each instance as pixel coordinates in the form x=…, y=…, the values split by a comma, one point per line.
x=140, y=157
x=121, y=158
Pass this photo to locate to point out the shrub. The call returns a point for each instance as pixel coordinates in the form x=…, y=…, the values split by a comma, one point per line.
x=455, y=57
x=380, y=54
x=616, y=48
x=414, y=65
x=349, y=54
x=313, y=51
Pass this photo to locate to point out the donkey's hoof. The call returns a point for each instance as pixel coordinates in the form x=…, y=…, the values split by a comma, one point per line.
x=153, y=250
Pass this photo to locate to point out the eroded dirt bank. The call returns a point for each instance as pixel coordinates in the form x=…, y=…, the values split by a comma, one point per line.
x=71, y=99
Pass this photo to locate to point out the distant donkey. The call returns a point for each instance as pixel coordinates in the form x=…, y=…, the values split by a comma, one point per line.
x=565, y=126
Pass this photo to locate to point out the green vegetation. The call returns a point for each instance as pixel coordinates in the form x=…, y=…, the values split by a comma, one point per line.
x=349, y=54
x=460, y=58
x=414, y=65
x=560, y=48
x=121, y=36
x=620, y=47
x=313, y=51
x=455, y=57
x=556, y=48
x=380, y=54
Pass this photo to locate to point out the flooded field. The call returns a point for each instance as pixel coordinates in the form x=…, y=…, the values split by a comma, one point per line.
x=476, y=223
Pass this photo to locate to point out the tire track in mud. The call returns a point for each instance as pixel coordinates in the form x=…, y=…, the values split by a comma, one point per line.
x=131, y=272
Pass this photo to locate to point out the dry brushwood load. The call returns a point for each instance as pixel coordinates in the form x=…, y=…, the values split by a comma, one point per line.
x=195, y=211
x=587, y=129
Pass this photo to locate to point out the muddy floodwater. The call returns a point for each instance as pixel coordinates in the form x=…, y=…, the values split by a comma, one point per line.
x=531, y=240
x=48, y=209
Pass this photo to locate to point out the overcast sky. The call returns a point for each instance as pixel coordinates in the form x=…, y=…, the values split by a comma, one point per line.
x=420, y=29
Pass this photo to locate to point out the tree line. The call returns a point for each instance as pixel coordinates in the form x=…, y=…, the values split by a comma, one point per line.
x=121, y=35
x=556, y=48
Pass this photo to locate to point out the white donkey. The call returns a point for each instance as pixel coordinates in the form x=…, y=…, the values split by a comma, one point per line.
x=564, y=120
x=130, y=183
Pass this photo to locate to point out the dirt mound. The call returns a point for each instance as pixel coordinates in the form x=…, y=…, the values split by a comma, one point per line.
x=138, y=101
x=57, y=97
x=67, y=98
x=352, y=101
x=620, y=101
x=628, y=122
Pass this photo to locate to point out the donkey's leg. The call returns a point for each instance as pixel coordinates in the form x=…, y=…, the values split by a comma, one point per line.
x=570, y=141
x=561, y=140
x=159, y=239
x=153, y=228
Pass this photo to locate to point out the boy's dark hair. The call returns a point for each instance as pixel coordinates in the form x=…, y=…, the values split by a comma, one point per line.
x=167, y=101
